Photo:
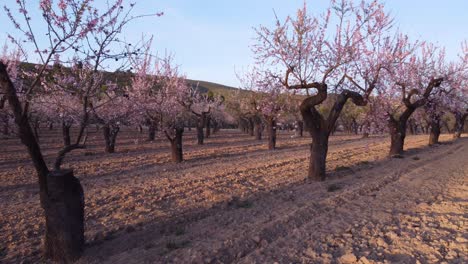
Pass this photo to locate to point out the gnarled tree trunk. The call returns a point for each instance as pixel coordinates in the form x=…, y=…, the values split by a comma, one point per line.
x=320, y=128
x=200, y=125
x=397, y=129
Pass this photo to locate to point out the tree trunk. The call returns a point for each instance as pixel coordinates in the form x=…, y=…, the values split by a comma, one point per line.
x=51, y=126
x=64, y=240
x=365, y=135
x=200, y=125
x=271, y=133
x=110, y=135
x=251, y=127
x=208, y=129
x=176, y=146
x=215, y=127
x=66, y=134
x=151, y=131
x=318, y=155
x=258, y=130
x=36, y=129
x=397, y=134
x=459, y=124
x=299, y=128
x=200, y=136
x=140, y=129
x=6, y=129
x=435, y=131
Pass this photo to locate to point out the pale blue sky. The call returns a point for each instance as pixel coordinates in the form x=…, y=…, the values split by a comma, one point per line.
x=211, y=38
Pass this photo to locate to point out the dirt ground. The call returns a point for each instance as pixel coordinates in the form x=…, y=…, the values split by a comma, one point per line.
x=232, y=200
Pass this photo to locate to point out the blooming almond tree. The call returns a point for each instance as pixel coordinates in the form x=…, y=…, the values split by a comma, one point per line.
x=411, y=83
x=314, y=54
x=160, y=94
x=112, y=109
x=267, y=99
x=80, y=37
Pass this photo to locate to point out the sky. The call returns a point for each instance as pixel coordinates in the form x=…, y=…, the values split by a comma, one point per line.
x=211, y=39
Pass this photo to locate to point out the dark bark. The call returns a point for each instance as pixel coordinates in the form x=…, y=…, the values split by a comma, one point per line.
x=140, y=129
x=299, y=128
x=176, y=145
x=201, y=121
x=66, y=134
x=320, y=129
x=64, y=240
x=36, y=129
x=271, y=123
x=25, y=132
x=151, y=131
x=412, y=127
x=318, y=155
x=258, y=131
x=435, y=131
x=51, y=126
x=110, y=135
x=459, y=124
x=251, y=127
x=208, y=127
x=6, y=124
x=216, y=127
x=397, y=129
x=398, y=126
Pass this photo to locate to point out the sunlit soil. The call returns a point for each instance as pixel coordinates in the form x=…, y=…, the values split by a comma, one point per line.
x=233, y=200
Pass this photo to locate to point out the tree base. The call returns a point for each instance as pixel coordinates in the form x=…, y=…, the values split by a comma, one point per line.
x=64, y=241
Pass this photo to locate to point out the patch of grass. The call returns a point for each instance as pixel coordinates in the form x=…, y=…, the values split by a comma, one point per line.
x=333, y=187
x=342, y=168
x=172, y=245
x=89, y=153
x=397, y=156
x=416, y=158
x=364, y=162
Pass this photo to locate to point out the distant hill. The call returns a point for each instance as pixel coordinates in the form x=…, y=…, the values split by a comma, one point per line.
x=216, y=88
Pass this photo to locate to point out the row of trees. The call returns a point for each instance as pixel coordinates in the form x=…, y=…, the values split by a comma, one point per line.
x=352, y=52
x=346, y=66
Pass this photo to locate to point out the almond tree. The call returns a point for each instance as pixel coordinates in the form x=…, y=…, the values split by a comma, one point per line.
x=75, y=33
x=314, y=54
x=202, y=106
x=160, y=94
x=411, y=83
x=267, y=99
x=112, y=109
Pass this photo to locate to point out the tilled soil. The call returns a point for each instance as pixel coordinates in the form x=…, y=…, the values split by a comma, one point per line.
x=232, y=200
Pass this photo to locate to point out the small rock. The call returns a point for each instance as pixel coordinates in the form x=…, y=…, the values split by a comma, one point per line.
x=391, y=236
x=347, y=258
x=310, y=253
x=364, y=260
x=256, y=239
